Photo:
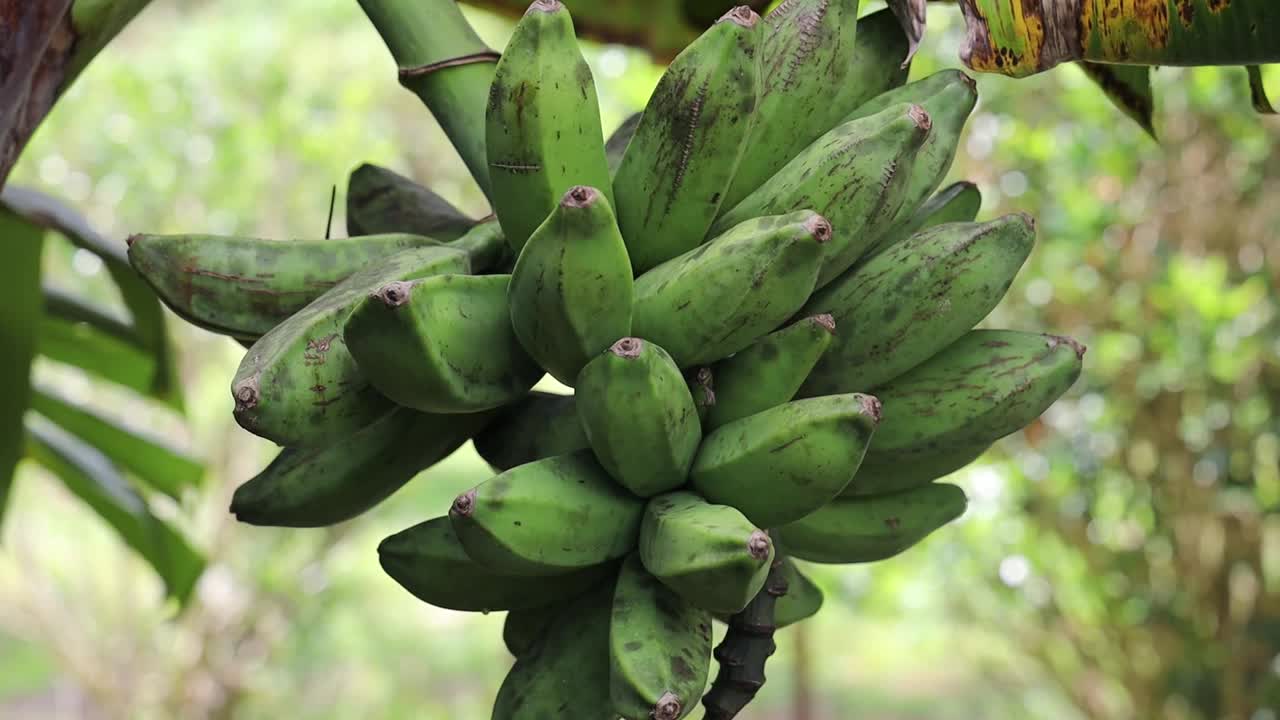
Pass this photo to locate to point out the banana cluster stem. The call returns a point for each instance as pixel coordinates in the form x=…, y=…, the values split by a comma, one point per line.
x=745, y=650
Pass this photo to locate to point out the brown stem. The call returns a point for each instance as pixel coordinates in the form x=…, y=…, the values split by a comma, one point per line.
x=745, y=649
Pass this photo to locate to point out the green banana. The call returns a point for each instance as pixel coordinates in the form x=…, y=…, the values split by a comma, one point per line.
x=703, y=389
x=335, y=481
x=540, y=425
x=617, y=143
x=802, y=600
x=781, y=464
x=911, y=301
x=808, y=55
x=958, y=202
x=867, y=529
x=769, y=371
x=566, y=671
x=949, y=96
x=677, y=167
x=892, y=472
x=487, y=247
x=571, y=289
x=639, y=417
x=659, y=648
x=547, y=517
x=986, y=385
x=298, y=384
x=428, y=561
x=523, y=628
x=711, y=555
x=856, y=176
x=382, y=201
x=442, y=344
x=542, y=124
x=717, y=299
x=243, y=287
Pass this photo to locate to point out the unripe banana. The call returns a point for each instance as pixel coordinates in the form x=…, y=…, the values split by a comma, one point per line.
x=487, y=247
x=523, y=628
x=855, y=175
x=892, y=472
x=298, y=385
x=335, y=481
x=547, y=517
x=802, y=600
x=807, y=54
x=949, y=96
x=716, y=300
x=243, y=287
x=781, y=464
x=566, y=672
x=429, y=562
x=981, y=388
x=914, y=299
x=659, y=648
x=443, y=344
x=639, y=417
x=382, y=201
x=867, y=529
x=542, y=125
x=674, y=173
x=702, y=387
x=711, y=555
x=769, y=371
x=540, y=425
x=617, y=143
x=958, y=202
x=571, y=289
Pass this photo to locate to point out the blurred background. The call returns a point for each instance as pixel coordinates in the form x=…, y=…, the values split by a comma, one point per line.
x=1120, y=559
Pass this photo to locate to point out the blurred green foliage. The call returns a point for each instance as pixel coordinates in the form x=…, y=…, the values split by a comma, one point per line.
x=1120, y=559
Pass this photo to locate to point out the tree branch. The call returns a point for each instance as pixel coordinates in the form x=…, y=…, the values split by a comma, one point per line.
x=745, y=649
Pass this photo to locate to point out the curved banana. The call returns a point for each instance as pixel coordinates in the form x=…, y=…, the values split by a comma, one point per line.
x=716, y=300
x=442, y=344
x=382, y=201
x=686, y=147
x=639, y=417
x=298, y=385
x=711, y=555
x=571, y=289
x=547, y=517
x=914, y=299
x=769, y=371
x=957, y=202
x=867, y=529
x=781, y=464
x=542, y=124
x=893, y=472
x=523, y=628
x=539, y=426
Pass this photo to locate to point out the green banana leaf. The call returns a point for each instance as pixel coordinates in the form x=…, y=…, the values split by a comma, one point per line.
x=76, y=333
x=1129, y=87
x=161, y=467
x=19, y=319
x=1024, y=37
x=1258, y=93
x=92, y=477
x=146, y=313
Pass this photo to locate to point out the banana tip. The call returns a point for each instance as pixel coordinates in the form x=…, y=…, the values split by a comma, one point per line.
x=668, y=707
x=920, y=117
x=758, y=545
x=129, y=241
x=872, y=407
x=825, y=321
x=246, y=394
x=627, y=348
x=546, y=6
x=741, y=15
x=1076, y=345
x=393, y=294
x=580, y=196
x=818, y=227
x=1026, y=218
x=464, y=505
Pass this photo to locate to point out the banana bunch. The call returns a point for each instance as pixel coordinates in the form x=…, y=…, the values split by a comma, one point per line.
x=764, y=305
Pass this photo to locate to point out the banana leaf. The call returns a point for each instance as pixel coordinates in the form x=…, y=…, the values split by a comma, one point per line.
x=92, y=477
x=19, y=320
x=1024, y=37
x=100, y=346
x=161, y=467
x=1129, y=88
x=1258, y=93
x=146, y=313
